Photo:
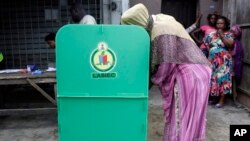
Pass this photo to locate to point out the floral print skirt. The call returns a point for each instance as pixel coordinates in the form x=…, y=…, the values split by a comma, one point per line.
x=221, y=80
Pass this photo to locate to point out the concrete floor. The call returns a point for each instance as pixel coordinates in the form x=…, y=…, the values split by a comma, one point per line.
x=218, y=120
x=28, y=126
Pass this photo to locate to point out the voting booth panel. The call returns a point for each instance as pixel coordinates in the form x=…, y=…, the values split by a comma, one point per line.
x=102, y=80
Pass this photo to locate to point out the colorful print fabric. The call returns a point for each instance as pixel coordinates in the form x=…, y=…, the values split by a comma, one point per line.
x=221, y=61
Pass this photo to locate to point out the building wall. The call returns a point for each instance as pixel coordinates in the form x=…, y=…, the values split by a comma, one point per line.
x=206, y=7
x=154, y=6
x=238, y=13
x=183, y=11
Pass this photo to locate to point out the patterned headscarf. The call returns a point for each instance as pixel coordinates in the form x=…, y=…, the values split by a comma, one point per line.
x=236, y=31
x=171, y=43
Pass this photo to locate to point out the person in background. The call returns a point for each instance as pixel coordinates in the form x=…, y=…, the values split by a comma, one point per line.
x=181, y=72
x=205, y=29
x=79, y=14
x=220, y=43
x=2, y=60
x=50, y=39
x=237, y=56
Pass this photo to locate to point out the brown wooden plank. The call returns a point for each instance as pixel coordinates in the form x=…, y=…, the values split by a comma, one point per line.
x=13, y=76
x=247, y=92
x=32, y=83
x=245, y=25
x=246, y=61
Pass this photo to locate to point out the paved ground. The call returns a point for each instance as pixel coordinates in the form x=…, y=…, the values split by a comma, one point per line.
x=218, y=120
x=43, y=126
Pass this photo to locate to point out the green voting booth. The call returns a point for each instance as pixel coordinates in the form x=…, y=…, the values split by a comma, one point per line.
x=102, y=82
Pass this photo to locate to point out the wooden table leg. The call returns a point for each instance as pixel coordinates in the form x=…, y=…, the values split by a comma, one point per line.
x=2, y=95
x=55, y=91
x=32, y=83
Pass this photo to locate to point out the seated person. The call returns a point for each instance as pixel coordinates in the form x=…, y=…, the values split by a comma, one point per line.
x=80, y=16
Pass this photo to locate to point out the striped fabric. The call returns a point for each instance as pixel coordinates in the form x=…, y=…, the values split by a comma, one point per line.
x=185, y=110
x=183, y=64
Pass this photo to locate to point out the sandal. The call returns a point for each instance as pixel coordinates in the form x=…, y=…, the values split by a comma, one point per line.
x=218, y=105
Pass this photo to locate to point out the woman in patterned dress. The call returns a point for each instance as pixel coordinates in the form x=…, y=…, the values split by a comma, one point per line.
x=220, y=44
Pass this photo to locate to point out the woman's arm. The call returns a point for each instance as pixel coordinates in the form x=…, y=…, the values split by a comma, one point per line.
x=194, y=25
x=194, y=37
x=191, y=28
x=162, y=73
x=229, y=42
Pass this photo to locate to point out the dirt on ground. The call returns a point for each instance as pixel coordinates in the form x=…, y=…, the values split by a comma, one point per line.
x=42, y=126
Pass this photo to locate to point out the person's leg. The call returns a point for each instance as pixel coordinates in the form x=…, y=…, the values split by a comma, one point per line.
x=234, y=86
x=224, y=80
x=193, y=100
x=213, y=100
x=169, y=110
x=222, y=99
x=221, y=102
x=214, y=90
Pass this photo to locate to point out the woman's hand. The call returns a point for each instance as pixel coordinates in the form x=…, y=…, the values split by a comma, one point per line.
x=227, y=41
x=220, y=33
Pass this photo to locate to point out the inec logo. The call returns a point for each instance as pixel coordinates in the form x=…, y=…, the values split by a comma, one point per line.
x=103, y=60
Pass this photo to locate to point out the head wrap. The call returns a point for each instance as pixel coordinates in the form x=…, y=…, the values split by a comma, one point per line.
x=236, y=30
x=136, y=15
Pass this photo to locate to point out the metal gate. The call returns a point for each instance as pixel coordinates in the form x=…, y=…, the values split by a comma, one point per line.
x=25, y=23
